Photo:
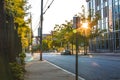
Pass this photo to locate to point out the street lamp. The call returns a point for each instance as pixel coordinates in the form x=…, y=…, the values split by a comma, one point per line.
x=76, y=22
x=84, y=27
x=76, y=25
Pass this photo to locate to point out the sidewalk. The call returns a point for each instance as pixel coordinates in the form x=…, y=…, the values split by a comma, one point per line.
x=105, y=54
x=43, y=70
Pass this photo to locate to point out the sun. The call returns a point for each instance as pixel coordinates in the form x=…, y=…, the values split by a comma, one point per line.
x=85, y=25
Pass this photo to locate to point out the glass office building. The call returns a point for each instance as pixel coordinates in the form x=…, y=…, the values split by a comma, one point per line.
x=109, y=11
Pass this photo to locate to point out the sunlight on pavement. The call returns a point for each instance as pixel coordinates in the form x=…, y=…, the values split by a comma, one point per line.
x=28, y=57
x=95, y=64
x=90, y=56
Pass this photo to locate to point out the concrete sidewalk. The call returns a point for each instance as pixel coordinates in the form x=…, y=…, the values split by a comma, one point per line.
x=43, y=70
x=105, y=54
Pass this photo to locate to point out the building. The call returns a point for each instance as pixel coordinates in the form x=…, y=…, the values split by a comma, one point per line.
x=109, y=11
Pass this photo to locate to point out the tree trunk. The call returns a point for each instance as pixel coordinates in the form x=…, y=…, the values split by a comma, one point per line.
x=72, y=47
x=4, y=65
x=11, y=37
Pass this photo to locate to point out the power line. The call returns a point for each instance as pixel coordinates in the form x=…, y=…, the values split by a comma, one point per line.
x=43, y=13
x=48, y=7
x=45, y=4
x=36, y=27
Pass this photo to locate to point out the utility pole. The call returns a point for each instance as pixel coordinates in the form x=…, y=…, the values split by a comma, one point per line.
x=41, y=25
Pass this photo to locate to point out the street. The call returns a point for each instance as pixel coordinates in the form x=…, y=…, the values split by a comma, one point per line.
x=90, y=68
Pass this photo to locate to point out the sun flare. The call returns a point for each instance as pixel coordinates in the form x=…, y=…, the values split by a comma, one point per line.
x=85, y=25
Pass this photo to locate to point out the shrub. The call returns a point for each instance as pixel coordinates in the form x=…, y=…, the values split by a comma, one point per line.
x=17, y=71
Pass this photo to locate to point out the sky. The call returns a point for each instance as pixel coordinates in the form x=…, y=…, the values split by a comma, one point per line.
x=59, y=11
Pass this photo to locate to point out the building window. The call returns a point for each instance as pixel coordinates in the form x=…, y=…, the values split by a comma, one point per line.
x=117, y=44
x=101, y=1
x=97, y=2
x=107, y=44
x=109, y=10
x=116, y=24
x=116, y=7
x=110, y=18
x=117, y=35
x=104, y=0
x=105, y=11
x=99, y=12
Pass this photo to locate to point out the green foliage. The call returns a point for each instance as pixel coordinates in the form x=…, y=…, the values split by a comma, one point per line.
x=48, y=41
x=35, y=48
x=45, y=45
x=18, y=9
x=92, y=30
x=22, y=57
x=17, y=71
x=17, y=68
x=64, y=33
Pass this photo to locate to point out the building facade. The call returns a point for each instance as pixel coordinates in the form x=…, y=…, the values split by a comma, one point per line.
x=109, y=11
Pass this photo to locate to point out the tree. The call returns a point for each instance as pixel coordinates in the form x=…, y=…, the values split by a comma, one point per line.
x=64, y=33
x=92, y=30
x=5, y=73
x=63, y=36
x=14, y=39
x=59, y=35
x=18, y=8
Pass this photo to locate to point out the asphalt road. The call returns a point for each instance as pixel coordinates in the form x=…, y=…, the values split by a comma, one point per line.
x=90, y=68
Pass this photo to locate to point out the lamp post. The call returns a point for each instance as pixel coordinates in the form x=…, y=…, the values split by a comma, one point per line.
x=76, y=22
x=84, y=26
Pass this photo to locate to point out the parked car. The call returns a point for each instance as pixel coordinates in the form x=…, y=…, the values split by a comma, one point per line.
x=66, y=52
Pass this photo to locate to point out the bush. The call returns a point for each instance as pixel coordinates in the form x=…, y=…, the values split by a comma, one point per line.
x=17, y=70
x=22, y=57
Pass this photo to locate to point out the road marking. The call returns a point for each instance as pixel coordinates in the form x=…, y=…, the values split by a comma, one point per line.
x=64, y=70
